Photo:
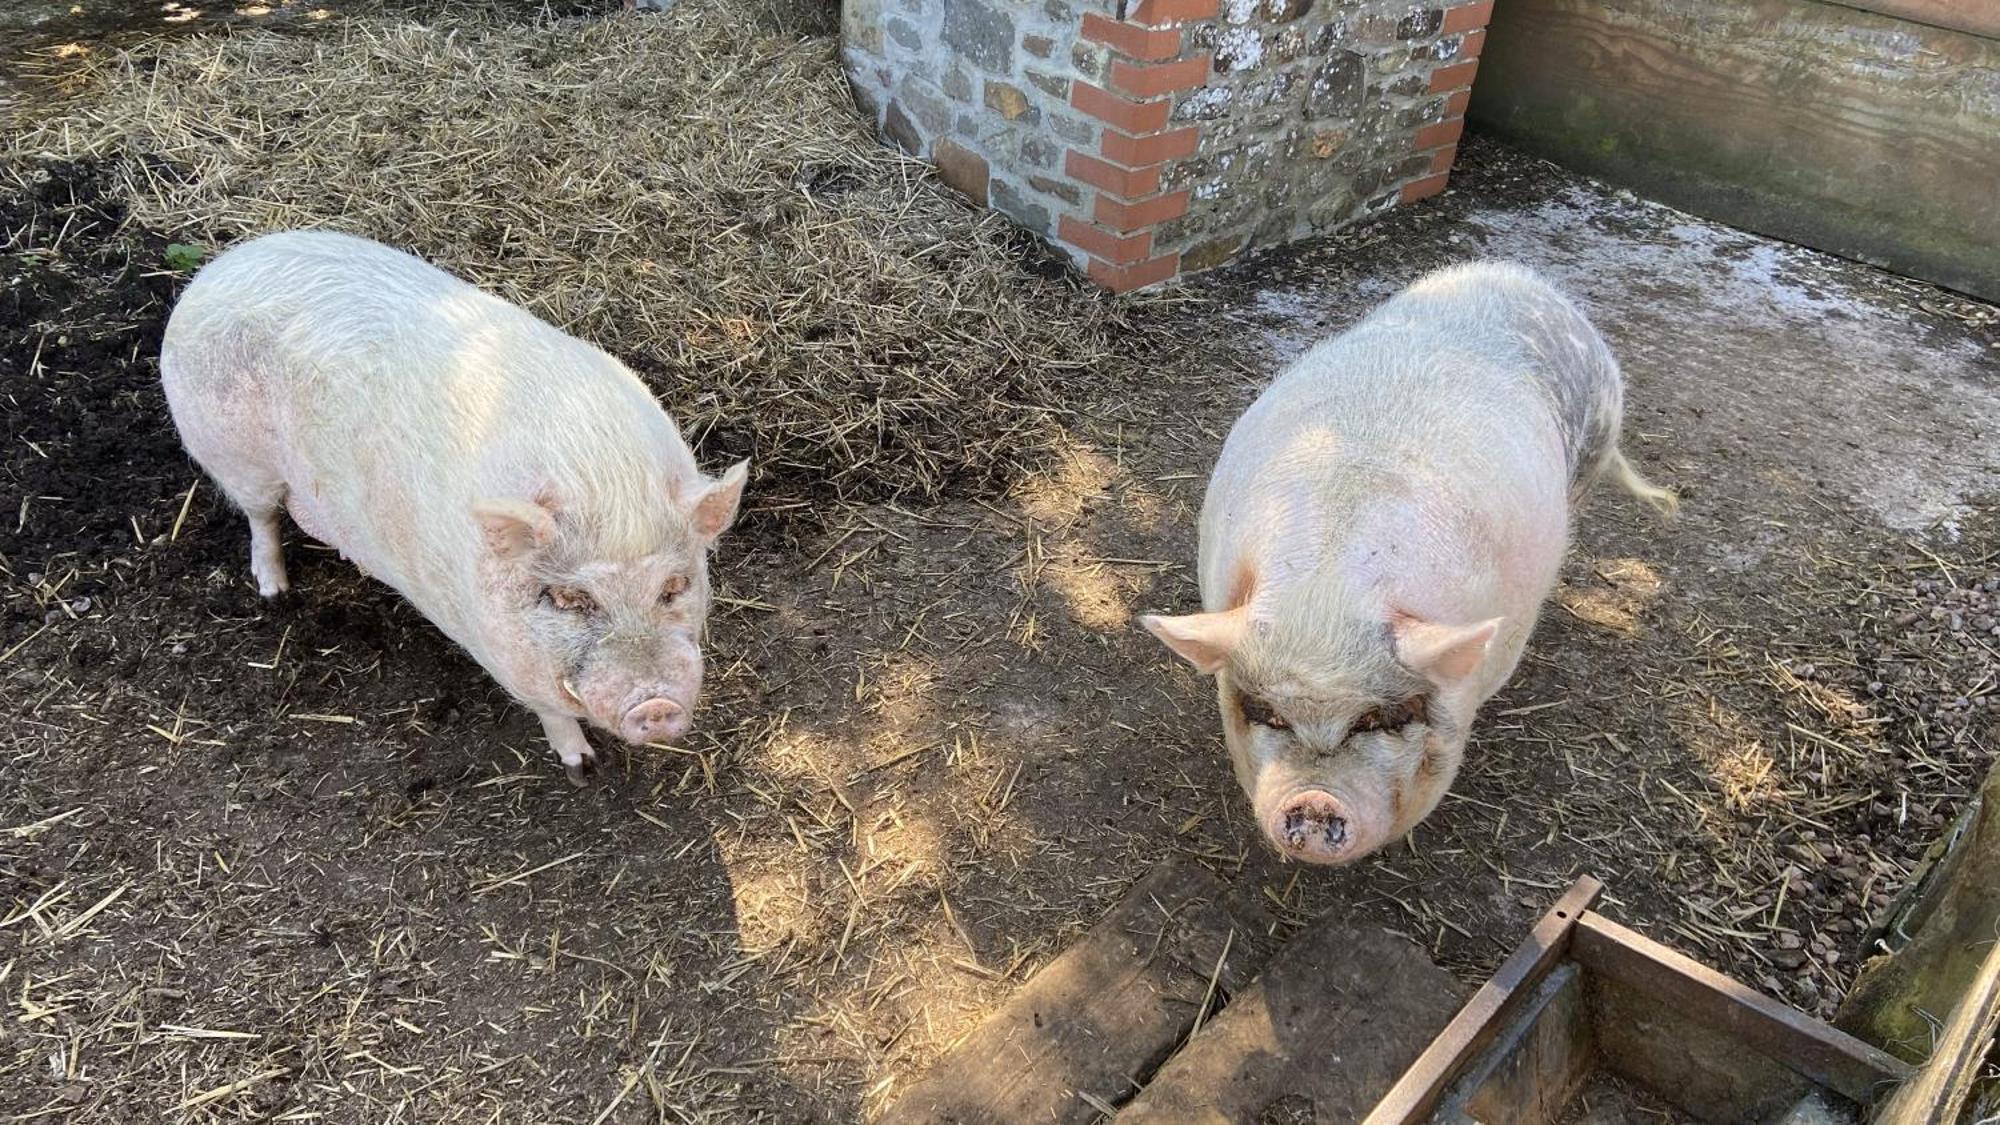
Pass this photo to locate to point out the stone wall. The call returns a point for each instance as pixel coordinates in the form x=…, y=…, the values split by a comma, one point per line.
x=1149, y=138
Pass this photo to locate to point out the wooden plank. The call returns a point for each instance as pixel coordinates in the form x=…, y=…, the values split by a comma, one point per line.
x=1980, y=17
x=1939, y=1091
x=1093, y=1023
x=1806, y=1046
x=1706, y=1075
x=1940, y=941
x=1532, y=1071
x=1328, y=1026
x=1856, y=133
x=1485, y=1015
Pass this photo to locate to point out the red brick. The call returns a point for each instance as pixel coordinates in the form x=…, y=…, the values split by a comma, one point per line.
x=1135, y=152
x=1120, y=215
x=1150, y=80
x=1157, y=12
x=1466, y=17
x=1455, y=105
x=1442, y=158
x=1454, y=76
x=1104, y=245
x=1123, y=113
x=1130, y=183
x=1151, y=43
x=1442, y=133
x=1120, y=279
x=1424, y=188
x=1474, y=43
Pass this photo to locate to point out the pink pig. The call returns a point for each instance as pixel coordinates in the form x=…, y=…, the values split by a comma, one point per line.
x=521, y=488
x=1377, y=540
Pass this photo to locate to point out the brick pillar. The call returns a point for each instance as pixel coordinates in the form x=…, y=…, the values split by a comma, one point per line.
x=1152, y=138
x=1149, y=63
x=1440, y=141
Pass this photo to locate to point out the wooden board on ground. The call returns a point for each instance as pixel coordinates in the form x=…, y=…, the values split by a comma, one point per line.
x=1325, y=1030
x=1086, y=1030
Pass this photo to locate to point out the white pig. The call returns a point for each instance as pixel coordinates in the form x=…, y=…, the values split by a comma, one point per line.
x=521, y=488
x=1378, y=538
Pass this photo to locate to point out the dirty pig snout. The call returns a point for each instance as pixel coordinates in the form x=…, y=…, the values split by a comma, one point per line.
x=657, y=719
x=1314, y=825
x=649, y=701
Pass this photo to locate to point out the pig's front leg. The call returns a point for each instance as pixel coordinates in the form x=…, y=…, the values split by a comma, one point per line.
x=578, y=759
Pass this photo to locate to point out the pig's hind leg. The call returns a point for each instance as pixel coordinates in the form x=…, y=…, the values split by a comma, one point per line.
x=578, y=759
x=260, y=493
x=267, y=553
x=226, y=428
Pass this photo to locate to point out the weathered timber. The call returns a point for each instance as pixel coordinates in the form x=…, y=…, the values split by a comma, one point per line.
x=1486, y=1014
x=1325, y=1029
x=1939, y=1090
x=1701, y=1072
x=1945, y=936
x=1089, y=1028
x=1531, y=1073
x=1747, y=1021
x=1974, y=17
x=1869, y=136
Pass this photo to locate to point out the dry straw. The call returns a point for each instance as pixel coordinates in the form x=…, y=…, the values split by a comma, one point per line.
x=695, y=192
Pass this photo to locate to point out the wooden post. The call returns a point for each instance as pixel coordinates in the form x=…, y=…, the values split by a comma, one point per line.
x=1939, y=1090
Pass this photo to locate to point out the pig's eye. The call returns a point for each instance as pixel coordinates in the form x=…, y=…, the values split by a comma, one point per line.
x=1259, y=712
x=1391, y=716
x=675, y=587
x=569, y=599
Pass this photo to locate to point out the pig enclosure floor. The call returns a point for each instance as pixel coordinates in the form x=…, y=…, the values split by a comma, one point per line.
x=304, y=858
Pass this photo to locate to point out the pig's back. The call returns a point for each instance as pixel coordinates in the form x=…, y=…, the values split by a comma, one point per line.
x=399, y=395
x=1504, y=326
x=1448, y=427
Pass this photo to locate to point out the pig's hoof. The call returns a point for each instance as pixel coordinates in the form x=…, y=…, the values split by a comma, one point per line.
x=581, y=770
x=271, y=581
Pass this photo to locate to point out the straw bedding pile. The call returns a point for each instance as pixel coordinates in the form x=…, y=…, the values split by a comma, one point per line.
x=694, y=192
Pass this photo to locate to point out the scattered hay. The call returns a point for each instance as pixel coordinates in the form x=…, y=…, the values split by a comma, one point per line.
x=694, y=192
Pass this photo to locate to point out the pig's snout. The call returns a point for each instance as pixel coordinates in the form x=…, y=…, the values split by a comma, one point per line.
x=654, y=720
x=1312, y=826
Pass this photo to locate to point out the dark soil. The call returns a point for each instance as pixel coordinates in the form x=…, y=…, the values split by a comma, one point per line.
x=304, y=856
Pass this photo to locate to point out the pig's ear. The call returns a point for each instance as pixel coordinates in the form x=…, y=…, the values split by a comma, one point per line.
x=712, y=508
x=1204, y=640
x=1444, y=654
x=514, y=527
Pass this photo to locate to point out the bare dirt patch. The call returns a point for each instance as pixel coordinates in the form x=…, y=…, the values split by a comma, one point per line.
x=260, y=861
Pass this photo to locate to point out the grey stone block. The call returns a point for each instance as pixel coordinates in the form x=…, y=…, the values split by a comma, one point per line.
x=1421, y=23
x=1337, y=89
x=981, y=33
x=906, y=35
x=1012, y=203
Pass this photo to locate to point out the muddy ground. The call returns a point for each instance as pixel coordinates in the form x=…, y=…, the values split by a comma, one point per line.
x=303, y=861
